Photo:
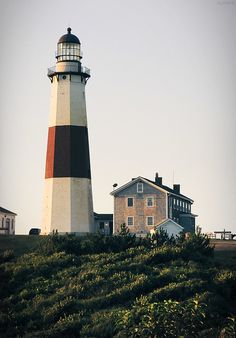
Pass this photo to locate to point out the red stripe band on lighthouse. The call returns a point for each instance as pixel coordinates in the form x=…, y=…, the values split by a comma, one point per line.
x=68, y=152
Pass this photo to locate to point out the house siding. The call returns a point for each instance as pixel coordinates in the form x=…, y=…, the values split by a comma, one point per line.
x=140, y=211
x=188, y=222
x=7, y=223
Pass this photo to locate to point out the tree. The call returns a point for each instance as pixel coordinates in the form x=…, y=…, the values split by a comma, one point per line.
x=124, y=230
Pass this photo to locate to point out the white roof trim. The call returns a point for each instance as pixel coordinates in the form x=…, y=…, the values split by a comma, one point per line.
x=114, y=192
x=139, y=178
x=181, y=196
x=167, y=220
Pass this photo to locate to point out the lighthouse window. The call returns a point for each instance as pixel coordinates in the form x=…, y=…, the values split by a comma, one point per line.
x=68, y=51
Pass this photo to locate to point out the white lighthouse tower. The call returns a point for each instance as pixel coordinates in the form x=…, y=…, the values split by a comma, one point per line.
x=68, y=205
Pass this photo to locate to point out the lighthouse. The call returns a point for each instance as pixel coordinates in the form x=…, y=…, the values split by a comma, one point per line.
x=68, y=204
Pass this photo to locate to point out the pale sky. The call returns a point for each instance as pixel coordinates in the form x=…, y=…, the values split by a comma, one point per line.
x=161, y=98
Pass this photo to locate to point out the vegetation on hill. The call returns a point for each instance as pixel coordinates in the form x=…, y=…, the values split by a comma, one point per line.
x=117, y=286
x=20, y=244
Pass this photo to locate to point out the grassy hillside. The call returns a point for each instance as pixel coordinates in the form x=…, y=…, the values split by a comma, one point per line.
x=20, y=244
x=117, y=287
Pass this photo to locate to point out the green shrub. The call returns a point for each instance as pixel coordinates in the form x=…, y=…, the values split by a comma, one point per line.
x=6, y=256
x=197, y=247
x=161, y=237
x=113, y=286
x=164, y=319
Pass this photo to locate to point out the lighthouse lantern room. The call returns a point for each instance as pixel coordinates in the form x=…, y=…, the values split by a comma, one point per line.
x=68, y=48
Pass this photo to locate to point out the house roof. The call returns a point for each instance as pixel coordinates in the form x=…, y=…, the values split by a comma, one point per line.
x=171, y=191
x=168, y=220
x=188, y=214
x=6, y=211
x=102, y=217
x=154, y=184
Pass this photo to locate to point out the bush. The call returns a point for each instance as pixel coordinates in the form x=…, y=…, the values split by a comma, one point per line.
x=197, y=247
x=6, y=256
x=89, y=244
x=164, y=319
x=160, y=237
x=115, y=286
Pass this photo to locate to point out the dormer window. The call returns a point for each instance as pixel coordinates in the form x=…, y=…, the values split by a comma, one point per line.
x=139, y=188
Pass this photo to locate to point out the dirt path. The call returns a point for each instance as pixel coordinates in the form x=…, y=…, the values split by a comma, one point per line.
x=225, y=245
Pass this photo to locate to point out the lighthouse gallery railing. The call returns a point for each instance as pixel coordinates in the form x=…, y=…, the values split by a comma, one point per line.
x=70, y=69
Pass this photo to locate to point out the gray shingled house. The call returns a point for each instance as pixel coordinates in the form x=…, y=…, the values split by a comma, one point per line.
x=142, y=204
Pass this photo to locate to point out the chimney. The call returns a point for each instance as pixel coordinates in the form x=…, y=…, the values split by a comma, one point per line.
x=158, y=180
x=176, y=188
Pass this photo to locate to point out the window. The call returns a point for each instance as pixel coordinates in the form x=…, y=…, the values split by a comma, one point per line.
x=130, y=202
x=8, y=223
x=130, y=221
x=150, y=220
x=2, y=222
x=174, y=201
x=150, y=201
x=12, y=224
x=140, y=187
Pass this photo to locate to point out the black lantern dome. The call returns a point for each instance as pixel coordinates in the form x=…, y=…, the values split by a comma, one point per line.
x=69, y=38
x=68, y=47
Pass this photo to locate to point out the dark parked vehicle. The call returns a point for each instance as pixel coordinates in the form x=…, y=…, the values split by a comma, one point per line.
x=34, y=231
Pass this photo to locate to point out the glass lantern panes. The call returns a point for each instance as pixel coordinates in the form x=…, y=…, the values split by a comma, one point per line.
x=68, y=52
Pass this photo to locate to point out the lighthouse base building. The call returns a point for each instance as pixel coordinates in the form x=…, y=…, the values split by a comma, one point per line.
x=68, y=204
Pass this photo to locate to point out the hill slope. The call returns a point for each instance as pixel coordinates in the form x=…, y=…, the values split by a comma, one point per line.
x=145, y=291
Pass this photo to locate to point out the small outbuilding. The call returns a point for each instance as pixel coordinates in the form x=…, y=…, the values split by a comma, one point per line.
x=7, y=222
x=103, y=223
x=171, y=227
